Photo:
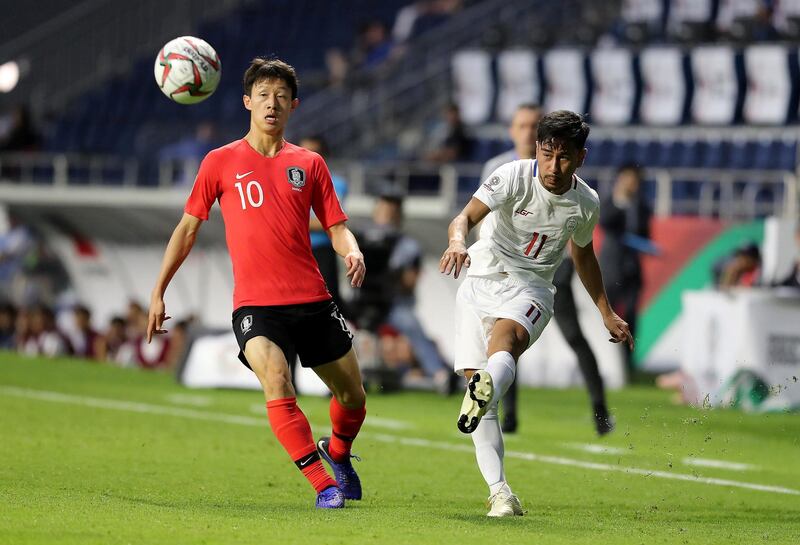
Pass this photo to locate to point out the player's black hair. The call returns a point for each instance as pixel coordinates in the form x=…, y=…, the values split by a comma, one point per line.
x=564, y=127
x=265, y=68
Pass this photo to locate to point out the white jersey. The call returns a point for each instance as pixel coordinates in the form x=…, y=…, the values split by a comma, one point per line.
x=528, y=229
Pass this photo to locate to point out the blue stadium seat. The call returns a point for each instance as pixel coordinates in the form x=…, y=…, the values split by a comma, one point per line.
x=766, y=155
x=712, y=155
x=787, y=155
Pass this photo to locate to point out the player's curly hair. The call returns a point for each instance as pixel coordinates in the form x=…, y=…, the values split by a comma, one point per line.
x=262, y=68
x=564, y=127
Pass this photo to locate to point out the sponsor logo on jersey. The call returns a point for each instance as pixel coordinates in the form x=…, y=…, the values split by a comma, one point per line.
x=296, y=176
x=523, y=212
x=240, y=176
x=571, y=224
x=492, y=183
x=247, y=323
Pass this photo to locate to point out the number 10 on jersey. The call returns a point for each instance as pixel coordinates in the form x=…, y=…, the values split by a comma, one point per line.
x=536, y=238
x=253, y=190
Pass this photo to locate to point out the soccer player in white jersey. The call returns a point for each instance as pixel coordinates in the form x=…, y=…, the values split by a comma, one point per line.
x=537, y=207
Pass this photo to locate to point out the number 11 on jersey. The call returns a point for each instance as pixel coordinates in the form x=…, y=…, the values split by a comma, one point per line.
x=533, y=243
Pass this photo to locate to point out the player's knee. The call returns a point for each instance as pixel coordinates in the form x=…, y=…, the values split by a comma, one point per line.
x=352, y=398
x=279, y=386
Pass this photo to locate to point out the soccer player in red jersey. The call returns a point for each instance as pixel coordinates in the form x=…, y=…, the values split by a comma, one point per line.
x=266, y=188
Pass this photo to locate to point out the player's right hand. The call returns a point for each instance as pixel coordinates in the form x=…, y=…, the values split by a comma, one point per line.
x=454, y=257
x=156, y=318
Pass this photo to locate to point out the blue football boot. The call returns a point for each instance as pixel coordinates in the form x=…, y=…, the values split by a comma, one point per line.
x=330, y=498
x=344, y=473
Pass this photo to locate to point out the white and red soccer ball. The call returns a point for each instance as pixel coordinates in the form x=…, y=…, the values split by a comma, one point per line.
x=187, y=70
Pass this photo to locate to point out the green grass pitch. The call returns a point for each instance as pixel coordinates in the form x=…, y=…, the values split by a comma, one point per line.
x=93, y=454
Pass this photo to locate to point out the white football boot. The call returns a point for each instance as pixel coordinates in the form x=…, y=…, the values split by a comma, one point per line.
x=503, y=504
x=480, y=391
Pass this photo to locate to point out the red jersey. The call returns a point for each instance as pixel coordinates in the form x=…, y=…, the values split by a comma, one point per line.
x=265, y=202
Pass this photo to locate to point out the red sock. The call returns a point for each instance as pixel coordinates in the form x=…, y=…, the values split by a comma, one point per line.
x=345, y=423
x=291, y=427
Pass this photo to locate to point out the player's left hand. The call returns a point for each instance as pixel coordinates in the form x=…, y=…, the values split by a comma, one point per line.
x=619, y=329
x=356, y=270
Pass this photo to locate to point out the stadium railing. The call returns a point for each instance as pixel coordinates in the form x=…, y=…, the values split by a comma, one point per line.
x=434, y=191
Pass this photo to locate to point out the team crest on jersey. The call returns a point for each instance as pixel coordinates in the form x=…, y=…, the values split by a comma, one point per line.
x=492, y=183
x=247, y=323
x=572, y=223
x=296, y=176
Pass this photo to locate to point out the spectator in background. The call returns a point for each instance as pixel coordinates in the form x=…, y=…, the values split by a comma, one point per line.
x=135, y=320
x=374, y=46
x=626, y=223
x=192, y=147
x=153, y=355
x=691, y=20
x=8, y=320
x=22, y=329
x=178, y=342
x=321, y=245
x=394, y=276
x=642, y=20
x=114, y=345
x=522, y=132
x=21, y=135
x=449, y=141
x=85, y=340
x=44, y=339
x=746, y=20
x=189, y=151
x=740, y=269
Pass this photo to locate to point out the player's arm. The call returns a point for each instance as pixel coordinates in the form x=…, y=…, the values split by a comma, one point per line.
x=179, y=246
x=589, y=272
x=345, y=244
x=314, y=224
x=456, y=255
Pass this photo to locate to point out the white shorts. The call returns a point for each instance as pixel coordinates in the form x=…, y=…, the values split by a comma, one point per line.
x=481, y=301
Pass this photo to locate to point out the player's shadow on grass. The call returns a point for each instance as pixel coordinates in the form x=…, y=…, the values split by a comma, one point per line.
x=256, y=508
x=480, y=518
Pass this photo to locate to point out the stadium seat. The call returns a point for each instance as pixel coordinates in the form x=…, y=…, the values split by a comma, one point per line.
x=474, y=86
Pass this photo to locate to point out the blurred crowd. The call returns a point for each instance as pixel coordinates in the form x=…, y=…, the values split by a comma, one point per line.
x=39, y=330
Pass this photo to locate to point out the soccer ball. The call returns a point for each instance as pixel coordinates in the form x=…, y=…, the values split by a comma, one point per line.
x=187, y=70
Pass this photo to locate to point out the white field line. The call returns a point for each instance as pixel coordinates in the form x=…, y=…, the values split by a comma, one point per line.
x=146, y=408
x=594, y=448
x=721, y=464
x=190, y=400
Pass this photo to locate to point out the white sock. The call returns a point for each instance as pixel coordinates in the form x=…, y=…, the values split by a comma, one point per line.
x=502, y=368
x=489, y=449
x=497, y=487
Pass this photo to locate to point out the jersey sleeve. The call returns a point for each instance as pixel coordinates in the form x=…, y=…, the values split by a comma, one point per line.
x=324, y=202
x=498, y=188
x=583, y=234
x=205, y=189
